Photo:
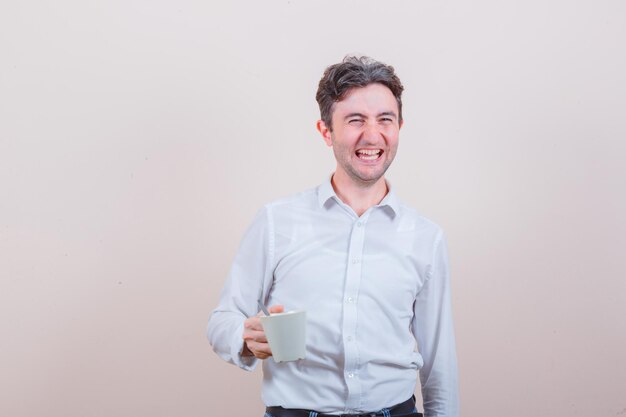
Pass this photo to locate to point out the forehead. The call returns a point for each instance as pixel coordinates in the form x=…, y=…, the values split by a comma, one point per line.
x=371, y=99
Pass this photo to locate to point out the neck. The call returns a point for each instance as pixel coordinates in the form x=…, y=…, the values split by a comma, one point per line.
x=359, y=196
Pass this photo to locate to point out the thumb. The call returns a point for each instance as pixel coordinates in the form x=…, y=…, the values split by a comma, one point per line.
x=276, y=309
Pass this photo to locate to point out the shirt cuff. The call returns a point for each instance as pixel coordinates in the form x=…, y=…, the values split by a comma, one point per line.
x=244, y=362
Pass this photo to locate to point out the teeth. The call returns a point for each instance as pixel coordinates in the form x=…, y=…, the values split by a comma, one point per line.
x=368, y=154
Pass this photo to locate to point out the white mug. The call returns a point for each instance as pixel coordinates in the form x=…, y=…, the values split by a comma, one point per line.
x=286, y=334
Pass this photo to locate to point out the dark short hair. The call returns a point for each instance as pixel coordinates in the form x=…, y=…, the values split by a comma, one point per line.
x=354, y=72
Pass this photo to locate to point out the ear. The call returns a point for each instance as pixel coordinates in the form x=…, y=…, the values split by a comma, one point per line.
x=401, y=124
x=325, y=132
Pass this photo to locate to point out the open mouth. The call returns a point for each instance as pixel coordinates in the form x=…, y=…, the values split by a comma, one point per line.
x=369, y=154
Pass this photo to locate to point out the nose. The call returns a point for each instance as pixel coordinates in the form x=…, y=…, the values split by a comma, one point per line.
x=371, y=132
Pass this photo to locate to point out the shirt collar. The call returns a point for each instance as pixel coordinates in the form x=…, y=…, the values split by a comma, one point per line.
x=326, y=191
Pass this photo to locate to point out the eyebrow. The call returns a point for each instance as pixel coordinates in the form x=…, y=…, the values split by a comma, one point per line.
x=385, y=113
x=388, y=113
x=348, y=116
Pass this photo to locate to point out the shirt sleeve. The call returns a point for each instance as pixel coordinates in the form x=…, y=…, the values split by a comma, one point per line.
x=247, y=282
x=434, y=332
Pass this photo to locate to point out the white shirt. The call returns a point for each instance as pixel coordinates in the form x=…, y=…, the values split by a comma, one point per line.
x=372, y=287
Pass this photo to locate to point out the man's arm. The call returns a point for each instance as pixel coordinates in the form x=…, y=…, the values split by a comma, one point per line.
x=249, y=278
x=434, y=332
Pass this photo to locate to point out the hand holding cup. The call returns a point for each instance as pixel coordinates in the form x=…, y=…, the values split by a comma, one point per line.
x=254, y=335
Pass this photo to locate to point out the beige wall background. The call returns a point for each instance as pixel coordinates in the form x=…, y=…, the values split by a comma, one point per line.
x=138, y=138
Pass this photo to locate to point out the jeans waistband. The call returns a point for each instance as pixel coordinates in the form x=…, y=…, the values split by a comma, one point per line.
x=404, y=408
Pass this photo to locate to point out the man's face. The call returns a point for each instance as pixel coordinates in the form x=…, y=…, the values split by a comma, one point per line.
x=365, y=133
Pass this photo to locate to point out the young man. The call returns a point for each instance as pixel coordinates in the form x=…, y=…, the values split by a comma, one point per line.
x=371, y=273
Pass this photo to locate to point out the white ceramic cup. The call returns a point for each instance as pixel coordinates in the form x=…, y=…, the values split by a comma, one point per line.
x=286, y=334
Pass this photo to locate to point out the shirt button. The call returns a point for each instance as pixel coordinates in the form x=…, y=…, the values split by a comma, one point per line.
x=350, y=375
x=355, y=260
x=359, y=224
x=350, y=300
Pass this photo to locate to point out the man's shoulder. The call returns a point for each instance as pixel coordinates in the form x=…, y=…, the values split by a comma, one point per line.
x=302, y=198
x=412, y=219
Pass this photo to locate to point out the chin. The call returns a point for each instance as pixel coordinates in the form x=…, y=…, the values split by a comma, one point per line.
x=369, y=179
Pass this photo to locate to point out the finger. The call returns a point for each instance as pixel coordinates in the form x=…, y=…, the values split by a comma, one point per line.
x=260, y=350
x=259, y=347
x=261, y=356
x=277, y=308
x=256, y=336
x=253, y=323
x=259, y=337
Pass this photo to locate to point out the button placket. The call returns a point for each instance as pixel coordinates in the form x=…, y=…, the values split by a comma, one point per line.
x=353, y=283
